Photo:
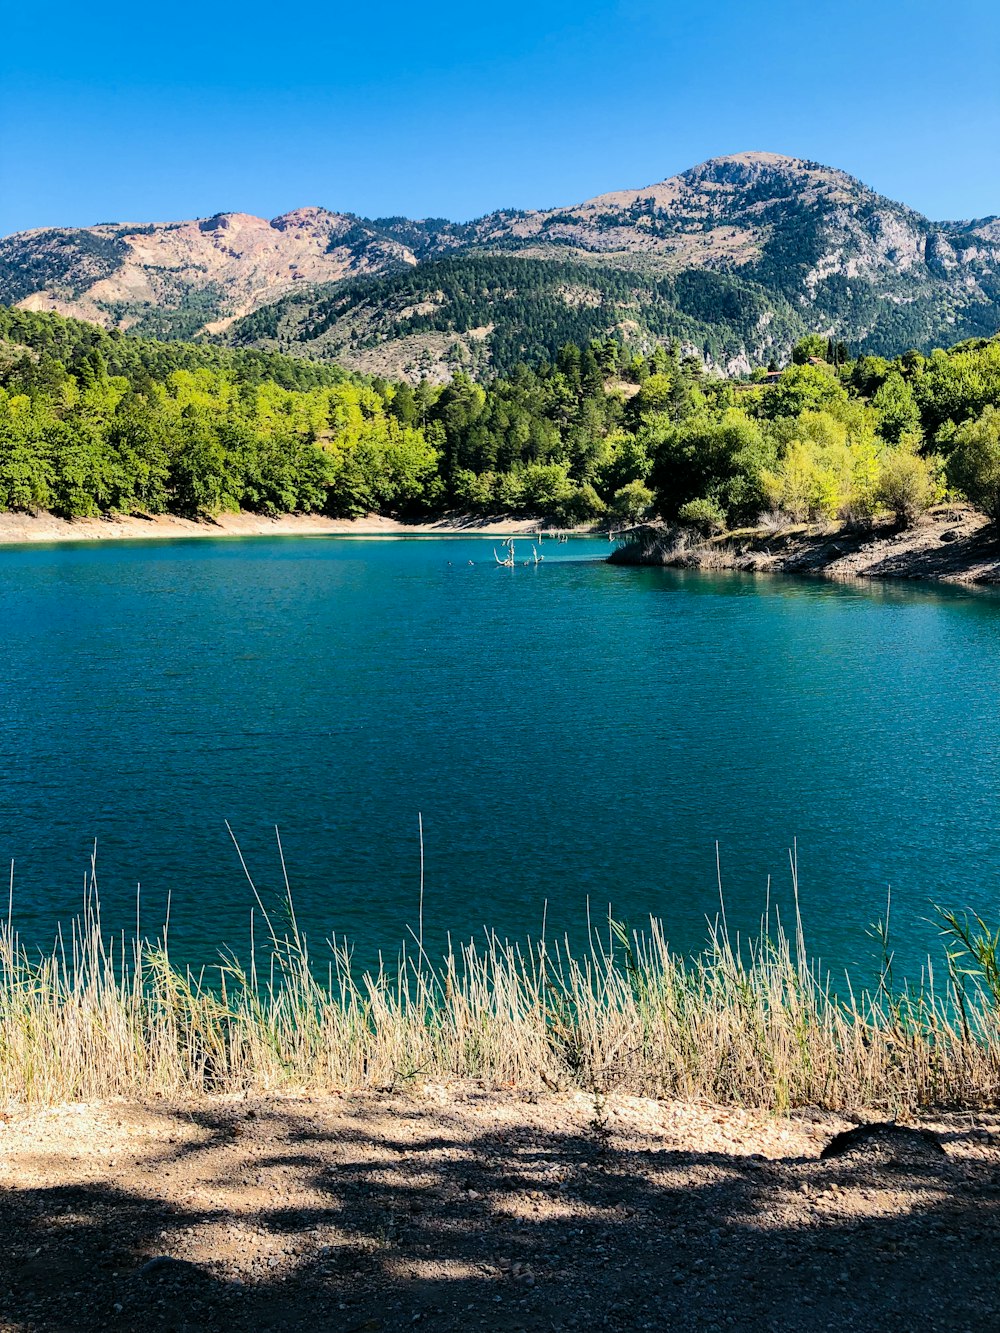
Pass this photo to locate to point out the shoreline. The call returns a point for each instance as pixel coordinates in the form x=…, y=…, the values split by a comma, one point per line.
x=37, y=529
x=950, y=544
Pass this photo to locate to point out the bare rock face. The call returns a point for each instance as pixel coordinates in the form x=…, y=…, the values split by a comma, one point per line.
x=224, y=266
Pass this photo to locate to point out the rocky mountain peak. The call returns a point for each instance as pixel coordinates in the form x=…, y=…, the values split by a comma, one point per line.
x=843, y=256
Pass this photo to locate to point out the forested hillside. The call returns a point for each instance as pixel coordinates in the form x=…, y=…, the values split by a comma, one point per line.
x=100, y=423
x=485, y=314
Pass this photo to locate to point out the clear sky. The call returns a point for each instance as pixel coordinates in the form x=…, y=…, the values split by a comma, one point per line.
x=175, y=110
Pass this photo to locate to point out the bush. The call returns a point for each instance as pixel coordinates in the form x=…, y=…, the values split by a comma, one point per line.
x=704, y=515
x=974, y=464
x=579, y=506
x=632, y=502
x=906, y=485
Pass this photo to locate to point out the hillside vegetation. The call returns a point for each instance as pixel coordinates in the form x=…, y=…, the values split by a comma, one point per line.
x=484, y=314
x=736, y=258
x=99, y=423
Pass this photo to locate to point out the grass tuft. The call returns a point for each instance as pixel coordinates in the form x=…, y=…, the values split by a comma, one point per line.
x=751, y=1024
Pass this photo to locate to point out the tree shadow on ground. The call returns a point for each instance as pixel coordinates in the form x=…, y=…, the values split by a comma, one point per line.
x=278, y=1223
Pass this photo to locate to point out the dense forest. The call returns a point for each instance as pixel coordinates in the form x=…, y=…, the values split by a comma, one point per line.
x=98, y=423
x=523, y=310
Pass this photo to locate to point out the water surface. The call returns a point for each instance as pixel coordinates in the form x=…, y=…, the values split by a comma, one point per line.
x=568, y=732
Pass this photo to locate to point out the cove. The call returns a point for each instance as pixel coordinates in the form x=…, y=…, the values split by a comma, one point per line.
x=570, y=733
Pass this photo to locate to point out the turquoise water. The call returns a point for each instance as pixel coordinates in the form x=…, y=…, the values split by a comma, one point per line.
x=567, y=732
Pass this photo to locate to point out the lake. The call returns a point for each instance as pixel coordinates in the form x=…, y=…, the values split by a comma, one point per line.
x=568, y=732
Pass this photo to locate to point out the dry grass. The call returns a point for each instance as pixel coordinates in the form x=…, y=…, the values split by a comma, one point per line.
x=750, y=1025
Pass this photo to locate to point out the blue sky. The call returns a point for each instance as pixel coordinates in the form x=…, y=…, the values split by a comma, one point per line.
x=167, y=111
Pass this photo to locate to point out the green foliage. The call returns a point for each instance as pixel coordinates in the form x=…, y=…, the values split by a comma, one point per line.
x=655, y=394
x=723, y=458
x=532, y=307
x=812, y=345
x=907, y=484
x=802, y=388
x=94, y=423
x=98, y=423
x=895, y=406
x=827, y=465
x=705, y=515
x=954, y=386
x=623, y=460
x=632, y=502
x=973, y=465
x=193, y=431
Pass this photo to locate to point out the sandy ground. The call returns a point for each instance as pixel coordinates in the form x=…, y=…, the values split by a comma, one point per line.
x=461, y=1209
x=21, y=528
x=951, y=544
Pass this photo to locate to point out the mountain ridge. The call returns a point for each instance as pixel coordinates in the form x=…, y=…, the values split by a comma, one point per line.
x=824, y=250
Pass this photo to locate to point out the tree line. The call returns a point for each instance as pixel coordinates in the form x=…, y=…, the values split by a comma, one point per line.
x=97, y=423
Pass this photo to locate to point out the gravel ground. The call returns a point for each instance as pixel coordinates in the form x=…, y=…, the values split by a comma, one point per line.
x=460, y=1208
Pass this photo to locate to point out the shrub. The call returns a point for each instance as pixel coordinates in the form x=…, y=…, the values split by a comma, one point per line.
x=974, y=464
x=705, y=515
x=632, y=501
x=907, y=484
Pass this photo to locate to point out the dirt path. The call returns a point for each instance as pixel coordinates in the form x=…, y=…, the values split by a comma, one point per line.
x=463, y=1210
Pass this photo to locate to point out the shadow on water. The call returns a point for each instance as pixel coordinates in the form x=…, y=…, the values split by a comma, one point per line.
x=795, y=587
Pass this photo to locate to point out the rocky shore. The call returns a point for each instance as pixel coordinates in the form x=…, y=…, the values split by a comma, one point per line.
x=950, y=544
x=457, y=1207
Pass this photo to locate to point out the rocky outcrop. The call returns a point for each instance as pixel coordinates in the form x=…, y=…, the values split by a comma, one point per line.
x=219, y=267
x=950, y=544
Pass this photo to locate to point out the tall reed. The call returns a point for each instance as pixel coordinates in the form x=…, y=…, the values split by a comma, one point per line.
x=748, y=1024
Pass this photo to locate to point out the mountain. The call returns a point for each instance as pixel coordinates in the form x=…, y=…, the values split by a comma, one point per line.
x=176, y=279
x=736, y=258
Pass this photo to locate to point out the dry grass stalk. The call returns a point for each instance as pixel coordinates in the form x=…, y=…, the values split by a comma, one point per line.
x=746, y=1025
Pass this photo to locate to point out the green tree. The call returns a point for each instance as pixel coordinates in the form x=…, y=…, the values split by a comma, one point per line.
x=721, y=459
x=632, y=502
x=973, y=467
x=200, y=480
x=895, y=407
x=801, y=388
x=812, y=345
x=907, y=483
